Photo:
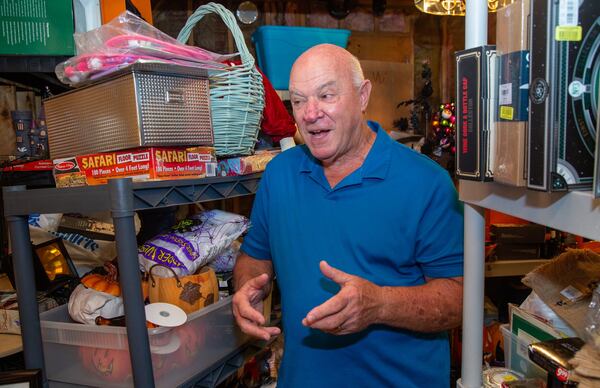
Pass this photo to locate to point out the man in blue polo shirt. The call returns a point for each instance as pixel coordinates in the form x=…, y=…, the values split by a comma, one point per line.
x=365, y=237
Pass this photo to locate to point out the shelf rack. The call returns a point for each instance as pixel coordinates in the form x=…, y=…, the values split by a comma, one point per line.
x=122, y=197
x=517, y=267
x=576, y=212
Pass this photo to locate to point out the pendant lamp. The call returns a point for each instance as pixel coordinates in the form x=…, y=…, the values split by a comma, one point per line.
x=455, y=7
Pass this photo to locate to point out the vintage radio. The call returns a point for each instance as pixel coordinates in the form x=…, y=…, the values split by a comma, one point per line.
x=143, y=105
x=476, y=94
x=565, y=46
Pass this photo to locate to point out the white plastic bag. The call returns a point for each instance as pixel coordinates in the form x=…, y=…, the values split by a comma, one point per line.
x=226, y=260
x=86, y=253
x=538, y=307
x=192, y=244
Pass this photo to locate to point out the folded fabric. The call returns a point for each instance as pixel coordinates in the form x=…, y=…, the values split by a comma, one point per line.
x=86, y=304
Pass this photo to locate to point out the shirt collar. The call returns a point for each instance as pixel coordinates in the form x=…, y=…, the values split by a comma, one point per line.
x=376, y=164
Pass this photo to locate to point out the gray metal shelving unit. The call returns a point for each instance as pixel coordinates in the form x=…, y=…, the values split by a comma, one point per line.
x=122, y=197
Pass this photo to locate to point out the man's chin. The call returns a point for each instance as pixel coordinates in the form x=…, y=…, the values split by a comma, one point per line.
x=320, y=153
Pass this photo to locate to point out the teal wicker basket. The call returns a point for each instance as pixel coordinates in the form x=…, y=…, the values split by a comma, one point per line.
x=236, y=93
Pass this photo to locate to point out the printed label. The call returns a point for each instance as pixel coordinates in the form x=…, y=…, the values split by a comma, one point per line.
x=562, y=374
x=568, y=33
x=576, y=89
x=185, y=246
x=211, y=169
x=505, y=97
x=124, y=158
x=506, y=112
x=568, y=12
x=141, y=157
x=571, y=293
x=160, y=255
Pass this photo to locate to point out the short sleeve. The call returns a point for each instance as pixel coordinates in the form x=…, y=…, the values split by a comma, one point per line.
x=439, y=246
x=256, y=241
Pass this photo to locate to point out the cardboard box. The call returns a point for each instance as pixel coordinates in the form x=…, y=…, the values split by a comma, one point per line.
x=596, y=182
x=562, y=115
x=141, y=164
x=510, y=164
x=511, y=27
x=9, y=310
x=507, y=251
x=245, y=165
x=87, y=226
x=36, y=165
x=513, y=86
x=476, y=91
x=518, y=234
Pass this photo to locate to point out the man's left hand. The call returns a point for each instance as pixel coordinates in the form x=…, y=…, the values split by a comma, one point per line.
x=352, y=309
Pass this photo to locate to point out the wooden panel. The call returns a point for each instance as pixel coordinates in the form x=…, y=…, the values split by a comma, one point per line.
x=392, y=83
x=7, y=133
x=389, y=47
x=37, y=105
x=26, y=101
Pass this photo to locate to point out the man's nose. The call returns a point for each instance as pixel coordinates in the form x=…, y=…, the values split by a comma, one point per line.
x=312, y=111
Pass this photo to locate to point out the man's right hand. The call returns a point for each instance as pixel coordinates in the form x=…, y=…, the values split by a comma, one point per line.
x=248, y=311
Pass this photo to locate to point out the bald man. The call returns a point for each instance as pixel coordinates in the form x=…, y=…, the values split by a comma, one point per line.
x=365, y=237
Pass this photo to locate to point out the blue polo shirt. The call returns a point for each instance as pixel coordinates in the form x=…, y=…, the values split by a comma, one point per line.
x=394, y=221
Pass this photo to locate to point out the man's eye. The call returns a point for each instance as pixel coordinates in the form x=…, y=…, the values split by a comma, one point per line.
x=326, y=96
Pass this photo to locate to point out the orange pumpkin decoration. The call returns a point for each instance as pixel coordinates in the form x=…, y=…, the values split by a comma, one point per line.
x=190, y=292
x=104, y=283
x=114, y=365
x=145, y=287
x=108, y=364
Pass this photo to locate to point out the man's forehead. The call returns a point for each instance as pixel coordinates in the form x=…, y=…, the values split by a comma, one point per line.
x=317, y=74
x=304, y=83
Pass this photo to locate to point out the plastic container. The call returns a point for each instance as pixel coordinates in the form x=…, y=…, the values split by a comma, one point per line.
x=516, y=356
x=277, y=47
x=98, y=355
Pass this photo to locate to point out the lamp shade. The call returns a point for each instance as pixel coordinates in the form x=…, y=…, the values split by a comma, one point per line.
x=455, y=7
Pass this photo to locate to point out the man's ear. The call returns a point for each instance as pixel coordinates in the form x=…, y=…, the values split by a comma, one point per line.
x=364, y=93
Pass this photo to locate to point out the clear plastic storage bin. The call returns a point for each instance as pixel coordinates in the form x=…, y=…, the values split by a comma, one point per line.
x=278, y=47
x=516, y=356
x=99, y=356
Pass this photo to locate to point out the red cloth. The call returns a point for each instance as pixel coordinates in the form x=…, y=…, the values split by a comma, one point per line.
x=276, y=121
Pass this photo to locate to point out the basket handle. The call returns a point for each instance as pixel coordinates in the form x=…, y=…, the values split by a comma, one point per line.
x=169, y=268
x=229, y=20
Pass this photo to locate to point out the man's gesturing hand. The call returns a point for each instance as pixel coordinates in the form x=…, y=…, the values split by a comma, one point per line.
x=248, y=311
x=352, y=309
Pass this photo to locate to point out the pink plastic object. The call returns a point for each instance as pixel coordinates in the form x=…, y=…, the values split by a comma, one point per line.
x=83, y=66
x=158, y=48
